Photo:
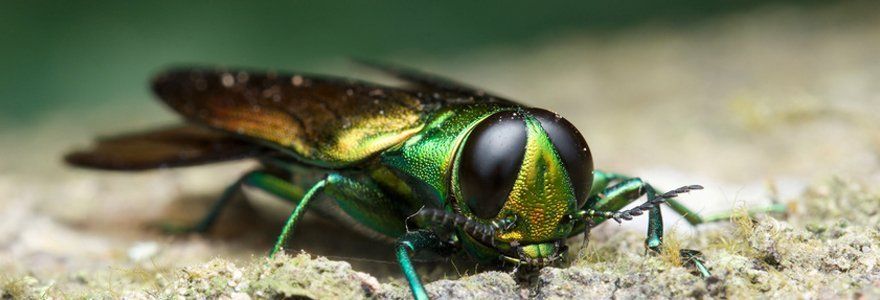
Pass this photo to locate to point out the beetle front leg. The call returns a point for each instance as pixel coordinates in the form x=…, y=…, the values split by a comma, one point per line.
x=599, y=197
x=654, y=241
x=613, y=199
x=410, y=244
x=608, y=204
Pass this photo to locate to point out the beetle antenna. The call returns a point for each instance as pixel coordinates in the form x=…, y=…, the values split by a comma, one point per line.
x=627, y=215
x=406, y=223
x=476, y=229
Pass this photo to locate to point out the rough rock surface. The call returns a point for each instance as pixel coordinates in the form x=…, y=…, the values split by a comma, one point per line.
x=800, y=255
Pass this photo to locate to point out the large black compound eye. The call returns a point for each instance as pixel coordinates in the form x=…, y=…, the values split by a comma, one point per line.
x=490, y=161
x=572, y=149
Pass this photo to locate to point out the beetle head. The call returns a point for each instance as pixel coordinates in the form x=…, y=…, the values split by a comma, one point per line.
x=521, y=172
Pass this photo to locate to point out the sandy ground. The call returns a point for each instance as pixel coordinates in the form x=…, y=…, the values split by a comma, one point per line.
x=767, y=105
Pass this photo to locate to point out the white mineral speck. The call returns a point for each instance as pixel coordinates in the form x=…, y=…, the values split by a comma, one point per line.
x=227, y=80
x=143, y=251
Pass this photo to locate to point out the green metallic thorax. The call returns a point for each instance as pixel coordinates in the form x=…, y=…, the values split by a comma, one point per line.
x=425, y=160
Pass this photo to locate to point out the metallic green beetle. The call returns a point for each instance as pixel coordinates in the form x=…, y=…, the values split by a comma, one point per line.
x=435, y=165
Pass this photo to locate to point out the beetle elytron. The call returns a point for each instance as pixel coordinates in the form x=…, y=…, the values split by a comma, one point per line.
x=435, y=165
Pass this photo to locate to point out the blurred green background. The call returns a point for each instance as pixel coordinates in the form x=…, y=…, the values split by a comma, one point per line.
x=62, y=56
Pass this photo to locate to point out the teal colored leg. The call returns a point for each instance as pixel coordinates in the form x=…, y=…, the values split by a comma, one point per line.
x=602, y=179
x=695, y=219
x=630, y=189
x=612, y=202
x=695, y=259
x=278, y=187
x=258, y=179
x=654, y=238
x=607, y=198
x=620, y=195
x=410, y=244
x=776, y=208
x=297, y=214
x=361, y=199
x=230, y=193
x=655, y=223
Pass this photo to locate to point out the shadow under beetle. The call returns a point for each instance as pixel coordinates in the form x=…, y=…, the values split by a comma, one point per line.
x=435, y=165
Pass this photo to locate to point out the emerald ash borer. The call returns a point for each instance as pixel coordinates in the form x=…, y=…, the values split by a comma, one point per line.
x=433, y=165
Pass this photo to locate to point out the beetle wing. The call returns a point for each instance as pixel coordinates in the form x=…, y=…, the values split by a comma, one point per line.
x=320, y=120
x=178, y=146
x=449, y=89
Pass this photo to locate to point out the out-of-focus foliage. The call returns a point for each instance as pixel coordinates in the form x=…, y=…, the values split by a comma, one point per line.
x=62, y=55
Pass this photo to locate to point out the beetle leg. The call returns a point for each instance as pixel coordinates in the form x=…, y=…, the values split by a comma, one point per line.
x=775, y=208
x=602, y=179
x=256, y=178
x=695, y=219
x=361, y=200
x=626, y=190
x=612, y=198
x=298, y=212
x=655, y=240
x=410, y=244
x=654, y=237
x=620, y=195
x=603, y=198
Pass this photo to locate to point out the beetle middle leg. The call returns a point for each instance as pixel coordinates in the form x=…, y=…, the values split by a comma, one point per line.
x=360, y=199
x=364, y=201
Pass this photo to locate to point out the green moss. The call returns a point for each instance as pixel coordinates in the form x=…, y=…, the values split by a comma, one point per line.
x=749, y=257
x=270, y=278
x=18, y=288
